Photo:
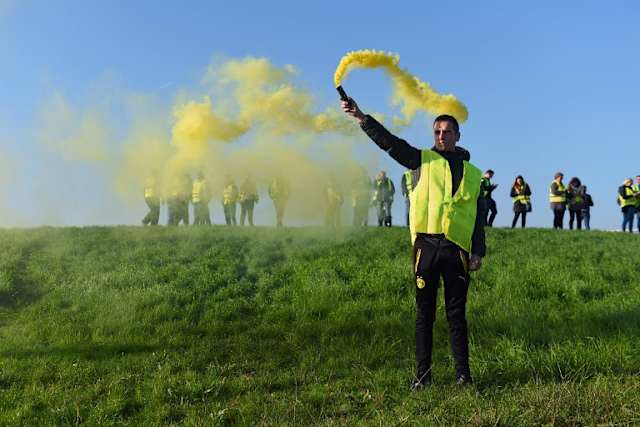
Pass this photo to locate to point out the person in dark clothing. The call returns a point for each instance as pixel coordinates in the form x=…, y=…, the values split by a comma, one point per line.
x=627, y=200
x=558, y=200
x=575, y=201
x=586, y=209
x=521, y=194
x=437, y=250
x=487, y=188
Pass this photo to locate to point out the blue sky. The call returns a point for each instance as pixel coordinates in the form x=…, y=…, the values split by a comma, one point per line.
x=549, y=85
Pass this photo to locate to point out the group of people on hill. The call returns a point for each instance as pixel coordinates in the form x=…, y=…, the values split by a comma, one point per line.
x=573, y=197
x=378, y=193
x=184, y=191
x=365, y=193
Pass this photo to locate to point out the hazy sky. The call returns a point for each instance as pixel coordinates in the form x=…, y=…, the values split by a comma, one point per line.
x=549, y=85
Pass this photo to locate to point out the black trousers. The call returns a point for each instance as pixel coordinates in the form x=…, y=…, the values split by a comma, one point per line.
x=577, y=215
x=515, y=219
x=558, y=216
x=492, y=211
x=435, y=257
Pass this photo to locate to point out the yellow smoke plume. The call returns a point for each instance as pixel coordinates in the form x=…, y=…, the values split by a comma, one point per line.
x=76, y=135
x=267, y=98
x=411, y=93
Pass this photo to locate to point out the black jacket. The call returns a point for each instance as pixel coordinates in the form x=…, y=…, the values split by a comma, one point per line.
x=411, y=158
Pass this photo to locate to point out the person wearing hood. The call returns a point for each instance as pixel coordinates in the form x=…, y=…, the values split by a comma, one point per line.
x=447, y=229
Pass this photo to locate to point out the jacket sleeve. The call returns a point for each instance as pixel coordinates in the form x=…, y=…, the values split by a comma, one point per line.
x=527, y=190
x=405, y=154
x=513, y=192
x=478, y=246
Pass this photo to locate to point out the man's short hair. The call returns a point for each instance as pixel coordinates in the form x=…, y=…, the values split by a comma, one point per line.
x=448, y=118
x=490, y=171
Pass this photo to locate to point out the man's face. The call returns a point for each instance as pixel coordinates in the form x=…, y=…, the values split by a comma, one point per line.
x=445, y=136
x=638, y=179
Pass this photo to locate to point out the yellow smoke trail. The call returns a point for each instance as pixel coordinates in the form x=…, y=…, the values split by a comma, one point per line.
x=411, y=93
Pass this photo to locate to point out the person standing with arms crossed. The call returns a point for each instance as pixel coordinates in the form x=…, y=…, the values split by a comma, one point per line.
x=447, y=229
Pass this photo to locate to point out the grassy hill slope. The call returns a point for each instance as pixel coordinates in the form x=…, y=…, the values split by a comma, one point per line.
x=307, y=326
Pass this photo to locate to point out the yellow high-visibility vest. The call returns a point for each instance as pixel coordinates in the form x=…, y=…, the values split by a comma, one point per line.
x=229, y=194
x=198, y=191
x=521, y=197
x=631, y=201
x=434, y=210
x=558, y=199
x=636, y=189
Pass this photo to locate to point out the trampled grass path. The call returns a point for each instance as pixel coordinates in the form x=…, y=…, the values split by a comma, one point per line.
x=208, y=326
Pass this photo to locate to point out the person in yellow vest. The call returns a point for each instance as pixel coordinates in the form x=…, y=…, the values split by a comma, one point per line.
x=407, y=187
x=627, y=201
x=333, y=199
x=447, y=215
x=248, y=199
x=521, y=195
x=152, y=198
x=229, y=200
x=279, y=189
x=200, y=197
x=178, y=200
x=558, y=199
x=636, y=189
x=360, y=197
x=383, y=192
x=486, y=187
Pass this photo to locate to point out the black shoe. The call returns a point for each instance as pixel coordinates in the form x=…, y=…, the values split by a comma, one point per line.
x=463, y=380
x=420, y=381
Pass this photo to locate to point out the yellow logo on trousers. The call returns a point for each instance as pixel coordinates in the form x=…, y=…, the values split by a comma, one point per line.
x=420, y=282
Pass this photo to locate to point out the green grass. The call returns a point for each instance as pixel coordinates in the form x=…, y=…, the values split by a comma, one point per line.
x=207, y=326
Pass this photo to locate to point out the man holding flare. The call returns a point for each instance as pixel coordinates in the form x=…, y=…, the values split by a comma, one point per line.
x=447, y=215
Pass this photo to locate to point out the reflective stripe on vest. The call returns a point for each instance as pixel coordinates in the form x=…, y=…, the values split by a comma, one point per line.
x=432, y=208
x=408, y=181
x=521, y=197
x=558, y=199
x=197, y=192
x=631, y=201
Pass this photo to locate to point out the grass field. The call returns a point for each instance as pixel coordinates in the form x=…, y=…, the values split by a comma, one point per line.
x=207, y=326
